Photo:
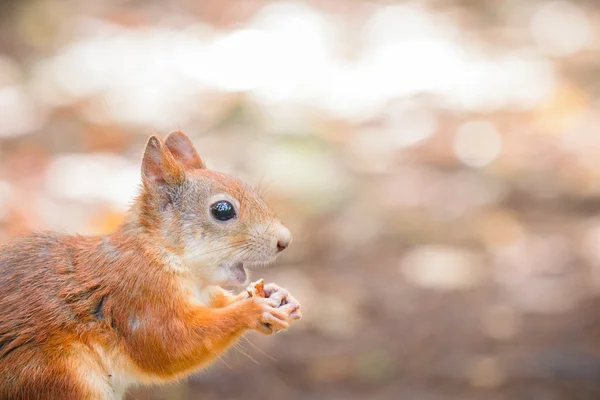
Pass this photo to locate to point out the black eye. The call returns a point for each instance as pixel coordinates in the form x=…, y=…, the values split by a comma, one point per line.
x=222, y=210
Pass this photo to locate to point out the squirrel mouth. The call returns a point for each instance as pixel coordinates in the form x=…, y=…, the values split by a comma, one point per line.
x=257, y=264
x=240, y=273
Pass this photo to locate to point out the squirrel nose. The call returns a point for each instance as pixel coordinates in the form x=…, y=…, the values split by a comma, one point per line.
x=285, y=238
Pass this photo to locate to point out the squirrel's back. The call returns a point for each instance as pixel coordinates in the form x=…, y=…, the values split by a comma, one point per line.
x=65, y=300
x=32, y=269
x=36, y=324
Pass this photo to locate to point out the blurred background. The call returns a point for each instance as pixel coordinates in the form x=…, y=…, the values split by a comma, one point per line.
x=437, y=161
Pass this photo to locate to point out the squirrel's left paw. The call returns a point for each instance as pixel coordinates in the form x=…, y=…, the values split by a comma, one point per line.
x=287, y=304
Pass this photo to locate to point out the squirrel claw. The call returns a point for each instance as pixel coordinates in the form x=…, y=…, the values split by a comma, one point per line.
x=279, y=308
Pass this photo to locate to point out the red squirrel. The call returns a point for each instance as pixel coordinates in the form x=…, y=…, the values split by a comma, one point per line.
x=86, y=317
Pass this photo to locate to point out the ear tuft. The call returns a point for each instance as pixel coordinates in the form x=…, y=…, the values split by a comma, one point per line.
x=183, y=150
x=158, y=165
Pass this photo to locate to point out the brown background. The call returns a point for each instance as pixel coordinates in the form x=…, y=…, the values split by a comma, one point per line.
x=437, y=161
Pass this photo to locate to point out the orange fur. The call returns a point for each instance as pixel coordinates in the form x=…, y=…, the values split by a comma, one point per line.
x=85, y=317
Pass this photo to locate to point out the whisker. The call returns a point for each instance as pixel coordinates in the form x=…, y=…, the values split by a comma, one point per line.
x=269, y=226
x=223, y=247
x=259, y=185
x=259, y=349
x=221, y=358
x=239, y=348
x=266, y=189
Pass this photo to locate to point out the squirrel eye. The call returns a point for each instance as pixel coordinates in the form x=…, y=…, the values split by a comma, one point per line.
x=222, y=210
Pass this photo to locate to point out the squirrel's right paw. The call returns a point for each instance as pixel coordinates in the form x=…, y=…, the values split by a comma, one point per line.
x=269, y=318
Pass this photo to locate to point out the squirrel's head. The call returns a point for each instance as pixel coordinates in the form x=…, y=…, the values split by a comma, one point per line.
x=216, y=225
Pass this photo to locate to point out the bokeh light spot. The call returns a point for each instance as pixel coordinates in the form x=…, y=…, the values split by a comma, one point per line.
x=477, y=143
x=560, y=28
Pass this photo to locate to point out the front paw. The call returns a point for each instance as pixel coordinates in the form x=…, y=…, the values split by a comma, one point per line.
x=269, y=318
x=287, y=304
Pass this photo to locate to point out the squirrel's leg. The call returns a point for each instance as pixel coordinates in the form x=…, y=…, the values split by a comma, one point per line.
x=220, y=297
x=29, y=373
x=185, y=339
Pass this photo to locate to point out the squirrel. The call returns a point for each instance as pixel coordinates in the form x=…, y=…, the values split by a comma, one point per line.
x=87, y=317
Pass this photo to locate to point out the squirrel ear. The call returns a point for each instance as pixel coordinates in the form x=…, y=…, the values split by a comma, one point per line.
x=183, y=150
x=158, y=164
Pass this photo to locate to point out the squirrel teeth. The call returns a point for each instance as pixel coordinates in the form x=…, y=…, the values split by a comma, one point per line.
x=257, y=264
